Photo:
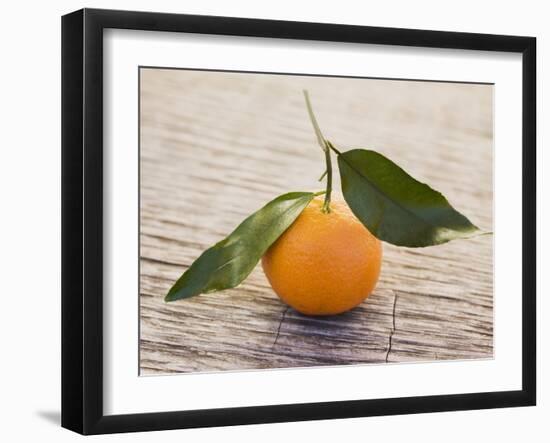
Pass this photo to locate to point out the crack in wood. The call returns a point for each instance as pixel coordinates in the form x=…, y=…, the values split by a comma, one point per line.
x=393, y=326
x=280, y=324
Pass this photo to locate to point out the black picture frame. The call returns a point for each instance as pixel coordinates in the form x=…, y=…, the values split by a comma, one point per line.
x=82, y=220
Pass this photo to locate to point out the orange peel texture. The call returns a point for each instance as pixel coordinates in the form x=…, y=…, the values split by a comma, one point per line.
x=324, y=263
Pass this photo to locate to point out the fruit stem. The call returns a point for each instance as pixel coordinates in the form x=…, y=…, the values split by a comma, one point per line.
x=326, y=204
x=317, y=129
x=326, y=146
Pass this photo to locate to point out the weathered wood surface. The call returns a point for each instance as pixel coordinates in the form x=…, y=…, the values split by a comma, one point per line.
x=217, y=146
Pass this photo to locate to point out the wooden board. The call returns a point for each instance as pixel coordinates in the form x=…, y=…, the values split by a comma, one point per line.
x=217, y=146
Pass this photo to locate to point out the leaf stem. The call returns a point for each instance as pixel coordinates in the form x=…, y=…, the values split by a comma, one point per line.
x=331, y=146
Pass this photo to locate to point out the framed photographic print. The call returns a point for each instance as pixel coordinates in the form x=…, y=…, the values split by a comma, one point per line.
x=269, y=221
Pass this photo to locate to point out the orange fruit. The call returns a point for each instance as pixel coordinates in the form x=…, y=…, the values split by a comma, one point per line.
x=324, y=263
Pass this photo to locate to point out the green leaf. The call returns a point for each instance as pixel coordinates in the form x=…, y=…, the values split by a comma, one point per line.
x=229, y=262
x=394, y=206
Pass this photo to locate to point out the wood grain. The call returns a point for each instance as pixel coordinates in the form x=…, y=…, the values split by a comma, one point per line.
x=216, y=146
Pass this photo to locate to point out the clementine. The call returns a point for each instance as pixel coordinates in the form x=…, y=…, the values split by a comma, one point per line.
x=324, y=263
